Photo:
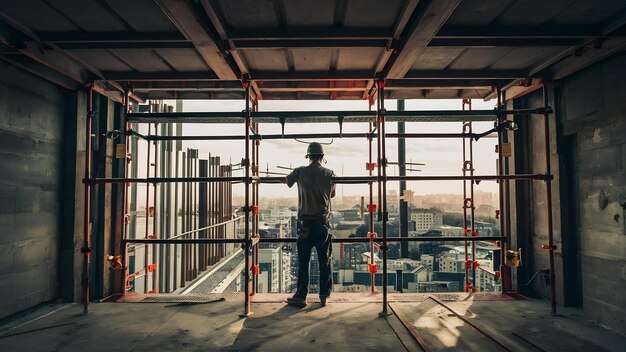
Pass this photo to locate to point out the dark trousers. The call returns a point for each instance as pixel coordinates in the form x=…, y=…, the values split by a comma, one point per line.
x=316, y=235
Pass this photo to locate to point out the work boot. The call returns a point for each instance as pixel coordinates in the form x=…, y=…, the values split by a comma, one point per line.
x=296, y=302
x=323, y=302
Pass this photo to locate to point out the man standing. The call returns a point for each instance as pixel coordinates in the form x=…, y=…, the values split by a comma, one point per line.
x=315, y=189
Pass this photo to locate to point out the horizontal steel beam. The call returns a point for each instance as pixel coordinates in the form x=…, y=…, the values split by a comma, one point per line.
x=398, y=84
x=457, y=76
x=466, y=74
x=335, y=239
x=183, y=44
x=109, y=37
x=311, y=75
x=505, y=42
x=159, y=76
x=295, y=33
x=326, y=116
x=310, y=43
x=188, y=86
x=517, y=31
x=338, y=180
x=307, y=135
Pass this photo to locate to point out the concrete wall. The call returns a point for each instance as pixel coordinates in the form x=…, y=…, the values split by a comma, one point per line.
x=588, y=154
x=32, y=114
x=593, y=111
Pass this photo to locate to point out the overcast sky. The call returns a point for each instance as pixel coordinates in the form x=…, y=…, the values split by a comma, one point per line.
x=348, y=156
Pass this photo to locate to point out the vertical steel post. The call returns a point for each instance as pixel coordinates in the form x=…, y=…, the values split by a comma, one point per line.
x=86, y=249
x=371, y=210
x=154, y=202
x=126, y=218
x=383, y=189
x=551, y=246
x=146, y=246
x=246, y=85
x=404, y=207
x=467, y=166
x=501, y=201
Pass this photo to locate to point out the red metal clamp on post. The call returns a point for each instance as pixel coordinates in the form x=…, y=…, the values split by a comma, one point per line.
x=256, y=270
x=371, y=208
x=151, y=268
x=372, y=235
x=372, y=268
x=471, y=264
x=255, y=209
x=370, y=166
x=497, y=214
x=470, y=288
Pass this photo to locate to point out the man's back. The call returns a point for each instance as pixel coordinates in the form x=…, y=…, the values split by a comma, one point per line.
x=315, y=188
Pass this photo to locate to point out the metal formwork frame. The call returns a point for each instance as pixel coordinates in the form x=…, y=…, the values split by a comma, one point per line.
x=251, y=179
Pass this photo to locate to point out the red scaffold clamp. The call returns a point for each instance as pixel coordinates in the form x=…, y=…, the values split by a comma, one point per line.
x=152, y=267
x=470, y=288
x=372, y=235
x=471, y=264
x=255, y=210
x=370, y=166
x=497, y=214
x=255, y=270
x=550, y=247
x=372, y=268
x=371, y=208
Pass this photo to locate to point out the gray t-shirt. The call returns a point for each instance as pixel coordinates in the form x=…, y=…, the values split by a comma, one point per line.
x=314, y=189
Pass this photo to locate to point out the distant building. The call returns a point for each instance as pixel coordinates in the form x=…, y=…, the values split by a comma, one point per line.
x=425, y=219
x=274, y=267
x=451, y=263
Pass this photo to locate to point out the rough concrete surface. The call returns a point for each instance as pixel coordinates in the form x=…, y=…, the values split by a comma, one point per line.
x=518, y=325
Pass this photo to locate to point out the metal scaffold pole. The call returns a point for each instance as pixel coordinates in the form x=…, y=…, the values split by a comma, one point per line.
x=550, y=246
x=146, y=259
x=403, y=204
x=86, y=249
x=126, y=218
x=383, y=187
x=247, y=181
x=371, y=207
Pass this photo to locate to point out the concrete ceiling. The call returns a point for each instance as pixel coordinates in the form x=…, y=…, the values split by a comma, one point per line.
x=299, y=49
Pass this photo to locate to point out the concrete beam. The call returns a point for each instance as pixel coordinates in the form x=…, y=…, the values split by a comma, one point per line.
x=433, y=15
x=182, y=15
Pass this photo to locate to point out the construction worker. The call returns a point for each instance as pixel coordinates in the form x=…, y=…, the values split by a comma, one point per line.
x=315, y=189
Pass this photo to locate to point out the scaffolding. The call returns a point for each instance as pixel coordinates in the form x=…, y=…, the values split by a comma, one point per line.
x=377, y=121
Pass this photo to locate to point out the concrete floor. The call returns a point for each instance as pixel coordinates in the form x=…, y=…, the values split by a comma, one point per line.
x=344, y=325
